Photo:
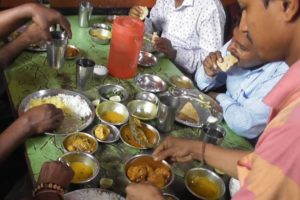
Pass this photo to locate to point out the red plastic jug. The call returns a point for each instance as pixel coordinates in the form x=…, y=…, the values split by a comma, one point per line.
x=125, y=45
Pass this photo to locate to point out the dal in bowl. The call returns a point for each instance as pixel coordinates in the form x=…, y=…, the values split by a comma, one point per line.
x=85, y=166
x=143, y=110
x=112, y=113
x=204, y=184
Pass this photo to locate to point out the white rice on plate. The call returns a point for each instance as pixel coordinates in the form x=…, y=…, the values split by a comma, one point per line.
x=75, y=109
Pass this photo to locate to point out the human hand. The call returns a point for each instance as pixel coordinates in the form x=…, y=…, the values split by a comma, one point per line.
x=46, y=17
x=34, y=34
x=56, y=172
x=179, y=150
x=43, y=118
x=210, y=63
x=143, y=191
x=164, y=45
x=136, y=11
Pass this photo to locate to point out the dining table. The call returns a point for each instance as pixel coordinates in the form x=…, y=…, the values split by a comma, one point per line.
x=30, y=73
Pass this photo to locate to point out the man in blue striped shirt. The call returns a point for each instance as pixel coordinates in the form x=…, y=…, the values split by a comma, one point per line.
x=247, y=82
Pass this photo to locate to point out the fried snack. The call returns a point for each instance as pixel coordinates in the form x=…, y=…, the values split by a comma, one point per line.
x=228, y=62
x=102, y=132
x=154, y=36
x=145, y=12
x=189, y=113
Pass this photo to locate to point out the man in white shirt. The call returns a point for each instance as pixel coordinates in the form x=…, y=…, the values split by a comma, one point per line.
x=189, y=29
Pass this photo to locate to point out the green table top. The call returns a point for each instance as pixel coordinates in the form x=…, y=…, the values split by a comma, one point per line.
x=30, y=73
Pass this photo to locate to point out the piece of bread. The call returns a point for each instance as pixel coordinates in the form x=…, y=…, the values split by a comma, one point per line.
x=228, y=62
x=189, y=113
x=145, y=12
x=154, y=35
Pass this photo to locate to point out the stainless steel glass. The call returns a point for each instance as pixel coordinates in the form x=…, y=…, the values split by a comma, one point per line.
x=85, y=13
x=213, y=133
x=84, y=72
x=56, y=49
x=166, y=113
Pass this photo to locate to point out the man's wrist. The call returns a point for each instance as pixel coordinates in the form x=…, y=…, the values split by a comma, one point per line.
x=197, y=150
x=25, y=124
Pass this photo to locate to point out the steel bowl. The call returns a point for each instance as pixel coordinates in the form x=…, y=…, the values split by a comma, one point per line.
x=147, y=59
x=114, y=134
x=181, y=82
x=193, y=174
x=106, y=91
x=151, y=83
x=23, y=107
x=101, y=25
x=147, y=96
x=67, y=142
x=148, y=159
x=142, y=109
x=108, y=106
x=130, y=140
x=85, y=158
x=101, y=34
x=100, y=70
x=72, y=52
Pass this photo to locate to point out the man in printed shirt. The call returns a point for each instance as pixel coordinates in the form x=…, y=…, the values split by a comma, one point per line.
x=190, y=29
x=271, y=171
x=247, y=83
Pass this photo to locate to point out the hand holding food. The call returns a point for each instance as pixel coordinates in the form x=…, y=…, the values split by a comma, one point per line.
x=210, y=63
x=164, y=45
x=179, y=150
x=143, y=191
x=43, y=118
x=228, y=62
x=139, y=12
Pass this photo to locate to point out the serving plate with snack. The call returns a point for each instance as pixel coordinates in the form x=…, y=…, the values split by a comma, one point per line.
x=78, y=111
x=195, y=112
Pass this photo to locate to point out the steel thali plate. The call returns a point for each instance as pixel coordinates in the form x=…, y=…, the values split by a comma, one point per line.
x=84, y=122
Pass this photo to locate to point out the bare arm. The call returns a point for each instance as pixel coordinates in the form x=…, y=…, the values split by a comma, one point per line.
x=11, y=50
x=183, y=150
x=11, y=19
x=34, y=121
